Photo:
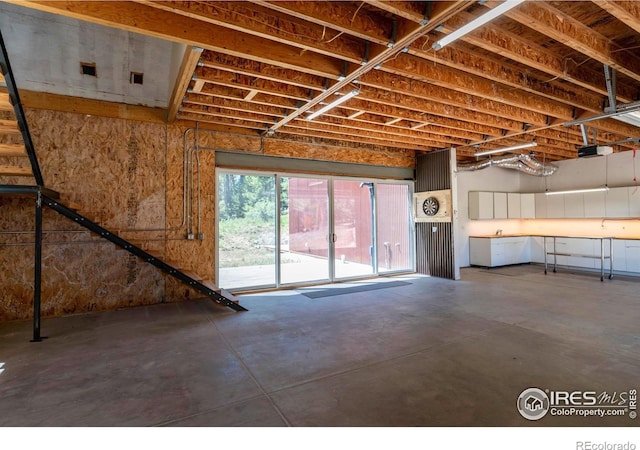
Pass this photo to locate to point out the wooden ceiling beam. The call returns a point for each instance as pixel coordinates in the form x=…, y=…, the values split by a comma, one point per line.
x=326, y=149
x=546, y=19
x=409, y=109
x=269, y=101
x=217, y=111
x=340, y=16
x=458, y=125
x=410, y=66
x=514, y=47
x=626, y=12
x=392, y=100
x=255, y=69
x=263, y=23
x=187, y=66
x=211, y=90
x=381, y=80
x=408, y=33
x=435, y=127
x=460, y=57
x=327, y=127
x=154, y=22
x=413, y=11
x=224, y=78
x=237, y=105
x=338, y=135
x=393, y=133
x=253, y=113
x=514, y=118
x=222, y=121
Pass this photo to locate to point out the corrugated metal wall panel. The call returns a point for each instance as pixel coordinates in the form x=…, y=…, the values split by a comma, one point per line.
x=433, y=171
x=434, y=240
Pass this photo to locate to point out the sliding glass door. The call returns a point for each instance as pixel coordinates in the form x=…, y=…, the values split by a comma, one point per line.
x=353, y=225
x=304, y=230
x=394, y=241
x=276, y=230
x=246, y=230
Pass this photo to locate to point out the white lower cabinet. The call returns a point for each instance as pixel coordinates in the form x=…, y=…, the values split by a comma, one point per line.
x=631, y=255
x=499, y=251
x=502, y=251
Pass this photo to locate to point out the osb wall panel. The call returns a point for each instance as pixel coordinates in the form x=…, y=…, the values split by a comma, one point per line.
x=339, y=154
x=115, y=170
x=197, y=255
x=305, y=150
x=128, y=176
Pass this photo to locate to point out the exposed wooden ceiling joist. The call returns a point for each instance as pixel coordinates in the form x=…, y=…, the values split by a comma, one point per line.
x=545, y=18
x=627, y=12
x=266, y=64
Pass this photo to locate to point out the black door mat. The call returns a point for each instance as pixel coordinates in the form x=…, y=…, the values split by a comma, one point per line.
x=330, y=292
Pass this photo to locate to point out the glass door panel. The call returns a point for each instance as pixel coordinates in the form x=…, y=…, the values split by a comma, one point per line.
x=246, y=230
x=353, y=228
x=393, y=228
x=304, y=230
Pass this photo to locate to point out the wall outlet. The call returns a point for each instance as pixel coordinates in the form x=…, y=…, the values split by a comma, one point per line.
x=201, y=236
x=190, y=236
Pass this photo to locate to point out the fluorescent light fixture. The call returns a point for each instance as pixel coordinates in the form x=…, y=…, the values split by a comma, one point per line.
x=578, y=191
x=632, y=118
x=506, y=149
x=333, y=104
x=476, y=23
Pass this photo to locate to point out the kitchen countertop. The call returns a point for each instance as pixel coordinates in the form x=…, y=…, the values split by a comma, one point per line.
x=497, y=236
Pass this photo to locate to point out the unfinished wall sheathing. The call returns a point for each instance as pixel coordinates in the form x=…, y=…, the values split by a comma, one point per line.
x=114, y=171
x=127, y=175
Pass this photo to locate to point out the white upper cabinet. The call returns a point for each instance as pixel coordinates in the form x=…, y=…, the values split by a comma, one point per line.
x=527, y=206
x=500, y=205
x=513, y=205
x=480, y=205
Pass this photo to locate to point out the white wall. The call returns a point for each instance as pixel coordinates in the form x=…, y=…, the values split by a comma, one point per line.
x=46, y=51
x=615, y=170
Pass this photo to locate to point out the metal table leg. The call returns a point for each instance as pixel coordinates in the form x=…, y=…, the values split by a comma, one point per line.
x=610, y=258
x=544, y=248
x=601, y=259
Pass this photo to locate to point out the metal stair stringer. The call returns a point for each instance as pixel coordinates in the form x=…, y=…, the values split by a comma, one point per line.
x=140, y=253
x=21, y=118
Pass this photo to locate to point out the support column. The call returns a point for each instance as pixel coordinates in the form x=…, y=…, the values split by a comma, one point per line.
x=37, y=273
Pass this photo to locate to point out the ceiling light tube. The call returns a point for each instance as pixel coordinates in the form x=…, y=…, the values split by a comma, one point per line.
x=476, y=23
x=578, y=191
x=333, y=104
x=506, y=149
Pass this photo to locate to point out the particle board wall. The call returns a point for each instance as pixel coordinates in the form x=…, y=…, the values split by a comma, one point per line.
x=127, y=175
x=115, y=170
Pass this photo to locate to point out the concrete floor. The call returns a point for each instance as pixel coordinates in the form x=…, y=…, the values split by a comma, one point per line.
x=431, y=353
